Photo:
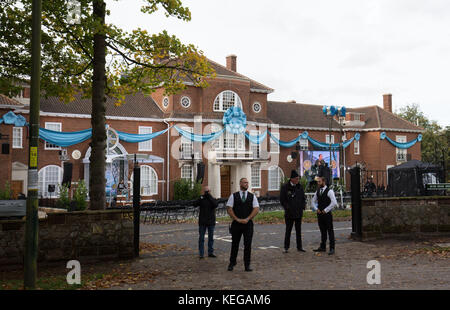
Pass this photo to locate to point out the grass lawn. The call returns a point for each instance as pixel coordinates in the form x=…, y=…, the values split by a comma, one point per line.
x=277, y=217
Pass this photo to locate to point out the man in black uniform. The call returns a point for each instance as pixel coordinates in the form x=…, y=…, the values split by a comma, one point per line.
x=206, y=221
x=242, y=207
x=293, y=200
x=323, y=202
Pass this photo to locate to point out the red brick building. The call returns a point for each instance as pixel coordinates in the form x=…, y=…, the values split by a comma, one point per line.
x=201, y=110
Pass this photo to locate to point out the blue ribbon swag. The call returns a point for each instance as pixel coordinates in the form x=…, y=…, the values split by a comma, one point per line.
x=199, y=138
x=400, y=145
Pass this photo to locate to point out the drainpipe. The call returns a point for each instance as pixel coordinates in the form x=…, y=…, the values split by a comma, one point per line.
x=168, y=160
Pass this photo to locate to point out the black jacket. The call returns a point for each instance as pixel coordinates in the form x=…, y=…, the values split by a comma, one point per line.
x=208, y=205
x=293, y=200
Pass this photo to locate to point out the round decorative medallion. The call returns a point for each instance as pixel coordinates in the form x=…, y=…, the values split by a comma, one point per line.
x=76, y=154
x=165, y=102
x=112, y=138
x=185, y=102
x=256, y=107
x=289, y=158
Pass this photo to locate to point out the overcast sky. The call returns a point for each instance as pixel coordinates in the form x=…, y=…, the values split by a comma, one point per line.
x=325, y=52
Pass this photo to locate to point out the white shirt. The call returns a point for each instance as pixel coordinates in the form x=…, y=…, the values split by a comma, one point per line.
x=330, y=195
x=230, y=202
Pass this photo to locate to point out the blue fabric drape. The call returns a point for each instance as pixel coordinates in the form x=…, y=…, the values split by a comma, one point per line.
x=199, y=138
x=400, y=145
x=11, y=118
x=285, y=143
x=334, y=146
x=135, y=138
x=64, y=139
x=256, y=139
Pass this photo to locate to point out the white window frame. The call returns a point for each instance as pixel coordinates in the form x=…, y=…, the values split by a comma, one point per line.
x=256, y=175
x=280, y=177
x=218, y=101
x=254, y=146
x=188, y=144
x=327, y=139
x=49, y=146
x=43, y=183
x=216, y=143
x=356, y=149
x=146, y=145
x=404, y=152
x=17, y=140
x=304, y=144
x=275, y=147
x=151, y=189
x=191, y=172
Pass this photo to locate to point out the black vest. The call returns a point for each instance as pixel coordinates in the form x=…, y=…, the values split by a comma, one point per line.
x=323, y=200
x=242, y=209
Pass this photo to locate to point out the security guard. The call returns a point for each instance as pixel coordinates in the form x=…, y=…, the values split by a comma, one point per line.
x=242, y=207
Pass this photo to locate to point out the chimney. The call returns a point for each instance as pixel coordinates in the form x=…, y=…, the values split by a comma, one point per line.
x=231, y=62
x=387, y=102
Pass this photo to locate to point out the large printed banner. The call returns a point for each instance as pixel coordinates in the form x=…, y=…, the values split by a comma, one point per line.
x=310, y=158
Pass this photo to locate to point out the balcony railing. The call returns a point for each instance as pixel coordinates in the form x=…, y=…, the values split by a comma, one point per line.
x=233, y=154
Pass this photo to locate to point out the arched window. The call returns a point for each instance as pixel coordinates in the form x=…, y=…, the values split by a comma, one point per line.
x=226, y=100
x=149, y=181
x=49, y=175
x=276, y=176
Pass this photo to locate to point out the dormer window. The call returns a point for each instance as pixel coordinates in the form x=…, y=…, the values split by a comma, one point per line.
x=226, y=100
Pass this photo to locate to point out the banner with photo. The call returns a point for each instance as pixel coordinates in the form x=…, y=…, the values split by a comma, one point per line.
x=309, y=161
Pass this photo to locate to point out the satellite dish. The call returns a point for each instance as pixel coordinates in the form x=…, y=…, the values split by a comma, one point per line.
x=289, y=158
x=76, y=154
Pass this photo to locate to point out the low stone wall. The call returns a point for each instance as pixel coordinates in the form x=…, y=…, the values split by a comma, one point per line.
x=83, y=235
x=405, y=217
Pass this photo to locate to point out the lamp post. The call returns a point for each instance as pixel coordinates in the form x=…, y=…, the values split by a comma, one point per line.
x=330, y=112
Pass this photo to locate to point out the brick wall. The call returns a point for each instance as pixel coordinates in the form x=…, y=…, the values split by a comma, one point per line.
x=406, y=216
x=85, y=236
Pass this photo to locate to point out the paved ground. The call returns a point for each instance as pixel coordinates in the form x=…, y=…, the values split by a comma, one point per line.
x=172, y=254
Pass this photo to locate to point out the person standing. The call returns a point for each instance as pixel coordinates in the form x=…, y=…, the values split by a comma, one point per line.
x=242, y=207
x=293, y=200
x=206, y=221
x=323, y=202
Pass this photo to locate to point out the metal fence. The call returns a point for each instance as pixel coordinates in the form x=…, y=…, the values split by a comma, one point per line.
x=163, y=212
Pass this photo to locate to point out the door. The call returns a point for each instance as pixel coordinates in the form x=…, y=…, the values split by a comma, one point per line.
x=16, y=188
x=225, y=183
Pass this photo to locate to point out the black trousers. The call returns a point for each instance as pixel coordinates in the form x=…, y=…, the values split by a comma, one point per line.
x=238, y=230
x=298, y=232
x=326, y=227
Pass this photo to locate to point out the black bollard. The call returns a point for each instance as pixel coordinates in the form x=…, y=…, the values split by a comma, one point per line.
x=136, y=205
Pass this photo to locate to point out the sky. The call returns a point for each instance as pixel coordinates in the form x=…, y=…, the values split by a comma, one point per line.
x=326, y=52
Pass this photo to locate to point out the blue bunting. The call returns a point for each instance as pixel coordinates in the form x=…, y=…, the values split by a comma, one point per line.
x=136, y=138
x=256, y=139
x=400, y=145
x=199, y=138
x=64, y=139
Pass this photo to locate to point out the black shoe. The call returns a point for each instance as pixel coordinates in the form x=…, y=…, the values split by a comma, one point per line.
x=200, y=257
x=301, y=250
x=248, y=269
x=286, y=250
x=320, y=250
x=211, y=255
x=230, y=267
x=331, y=252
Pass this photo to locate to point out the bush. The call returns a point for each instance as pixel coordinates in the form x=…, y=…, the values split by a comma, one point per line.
x=186, y=190
x=5, y=194
x=63, y=201
x=80, y=196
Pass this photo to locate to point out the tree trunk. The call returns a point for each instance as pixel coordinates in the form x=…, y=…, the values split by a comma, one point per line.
x=97, y=181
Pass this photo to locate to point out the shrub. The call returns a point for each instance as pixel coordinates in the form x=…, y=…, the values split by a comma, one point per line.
x=186, y=190
x=63, y=201
x=5, y=194
x=80, y=196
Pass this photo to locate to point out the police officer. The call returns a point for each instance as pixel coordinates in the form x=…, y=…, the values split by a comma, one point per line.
x=242, y=207
x=206, y=221
x=323, y=202
x=293, y=200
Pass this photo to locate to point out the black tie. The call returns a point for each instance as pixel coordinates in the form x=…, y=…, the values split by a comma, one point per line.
x=243, y=196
